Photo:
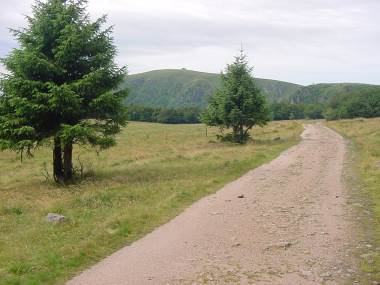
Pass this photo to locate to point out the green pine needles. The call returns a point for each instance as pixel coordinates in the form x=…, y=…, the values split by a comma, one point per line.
x=62, y=85
x=238, y=104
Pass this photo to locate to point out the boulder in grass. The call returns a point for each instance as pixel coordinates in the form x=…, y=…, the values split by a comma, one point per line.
x=55, y=218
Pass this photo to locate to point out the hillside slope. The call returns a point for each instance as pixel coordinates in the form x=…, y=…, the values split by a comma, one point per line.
x=320, y=93
x=185, y=88
x=177, y=88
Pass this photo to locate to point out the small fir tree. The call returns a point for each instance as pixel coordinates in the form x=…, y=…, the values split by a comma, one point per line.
x=61, y=85
x=238, y=104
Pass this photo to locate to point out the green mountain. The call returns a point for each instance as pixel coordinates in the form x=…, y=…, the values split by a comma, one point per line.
x=173, y=88
x=176, y=88
x=321, y=93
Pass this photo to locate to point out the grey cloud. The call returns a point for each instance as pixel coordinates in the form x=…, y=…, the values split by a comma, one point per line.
x=294, y=40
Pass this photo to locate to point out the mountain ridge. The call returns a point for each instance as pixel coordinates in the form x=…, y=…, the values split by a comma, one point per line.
x=178, y=88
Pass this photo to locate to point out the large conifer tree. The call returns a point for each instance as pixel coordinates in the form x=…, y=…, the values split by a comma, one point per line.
x=238, y=104
x=61, y=84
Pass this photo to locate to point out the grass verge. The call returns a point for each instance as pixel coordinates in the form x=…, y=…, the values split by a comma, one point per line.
x=365, y=135
x=153, y=173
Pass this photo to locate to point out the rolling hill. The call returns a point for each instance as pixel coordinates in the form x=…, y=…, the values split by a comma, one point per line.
x=177, y=88
x=321, y=93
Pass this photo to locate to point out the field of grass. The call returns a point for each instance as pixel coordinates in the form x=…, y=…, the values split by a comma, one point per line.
x=153, y=173
x=365, y=135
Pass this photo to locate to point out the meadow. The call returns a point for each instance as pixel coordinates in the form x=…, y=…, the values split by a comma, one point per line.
x=153, y=173
x=365, y=137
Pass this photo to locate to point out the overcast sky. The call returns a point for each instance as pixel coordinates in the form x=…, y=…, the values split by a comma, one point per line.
x=292, y=40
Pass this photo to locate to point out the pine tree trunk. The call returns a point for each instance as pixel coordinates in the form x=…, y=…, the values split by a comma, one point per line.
x=235, y=133
x=57, y=160
x=241, y=134
x=68, y=161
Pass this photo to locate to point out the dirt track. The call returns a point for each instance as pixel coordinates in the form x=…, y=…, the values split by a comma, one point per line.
x=289, y=228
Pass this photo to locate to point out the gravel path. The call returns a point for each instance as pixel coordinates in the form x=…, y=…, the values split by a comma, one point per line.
x=282, y=223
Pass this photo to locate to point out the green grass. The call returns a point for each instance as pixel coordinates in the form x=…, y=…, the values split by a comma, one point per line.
x=153, y=173
x=365, y=135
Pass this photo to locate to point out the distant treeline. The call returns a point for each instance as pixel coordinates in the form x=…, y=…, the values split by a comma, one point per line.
x=362, y=103
x=291, y=111
x=279, y=111
x=164, y=115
